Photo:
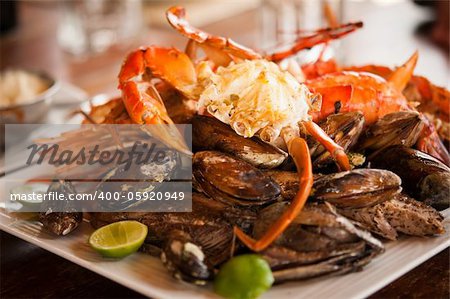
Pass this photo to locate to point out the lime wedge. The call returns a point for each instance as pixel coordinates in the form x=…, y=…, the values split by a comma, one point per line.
x=29, y=194
x=118, y=239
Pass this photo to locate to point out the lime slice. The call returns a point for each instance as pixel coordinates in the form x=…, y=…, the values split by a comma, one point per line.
x=29, y=194
x=118, y=239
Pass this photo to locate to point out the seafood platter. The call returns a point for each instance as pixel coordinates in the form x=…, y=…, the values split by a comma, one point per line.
x=304, y=176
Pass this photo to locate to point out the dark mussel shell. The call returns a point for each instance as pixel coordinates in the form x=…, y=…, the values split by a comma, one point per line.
x=357, y=188
x=350, y=189
x=343, y=128
x=424, y=177
x=319, y=241
x=137, y=177
x=66, y=217
x=231, y=180
x=395, y=128
x=209, y=133
x=185, y=259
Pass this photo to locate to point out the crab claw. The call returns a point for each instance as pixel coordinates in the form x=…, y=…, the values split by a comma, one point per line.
x=401, y=76
x=176, y=17
x=318, y=37
x=142, y=100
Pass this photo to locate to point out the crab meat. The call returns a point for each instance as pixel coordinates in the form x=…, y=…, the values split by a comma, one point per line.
x=256, y=97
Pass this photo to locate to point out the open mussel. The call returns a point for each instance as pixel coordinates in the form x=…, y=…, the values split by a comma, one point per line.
x=318, y=242
x=211, y=134
x=184, y=259
x=231, y=180
x=424, y=177
x=349, y=189
x=61, y=217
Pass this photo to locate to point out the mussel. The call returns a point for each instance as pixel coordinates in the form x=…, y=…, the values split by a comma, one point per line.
x=318, y=242
x=61, y=217
x=184, y=259
x=398, y=128
x=211, y=134
x=350, y=189
x=231, y=180
x=424, y=177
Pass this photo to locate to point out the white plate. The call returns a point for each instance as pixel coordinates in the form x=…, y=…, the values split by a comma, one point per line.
x=147, y=275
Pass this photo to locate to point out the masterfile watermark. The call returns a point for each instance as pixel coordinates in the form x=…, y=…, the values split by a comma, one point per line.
x=98, y=168
x=139, y=153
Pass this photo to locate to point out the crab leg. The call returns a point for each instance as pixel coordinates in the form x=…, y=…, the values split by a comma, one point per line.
x=318, y=37
x=337, y=152
x=298, y=149
x=176, y=17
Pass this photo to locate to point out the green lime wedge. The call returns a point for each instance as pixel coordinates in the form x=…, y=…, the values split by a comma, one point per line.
x=245, y=276
x=29, y=194
x=118, y=239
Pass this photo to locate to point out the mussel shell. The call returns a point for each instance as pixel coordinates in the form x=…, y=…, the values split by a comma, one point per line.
x=302, y=235
x=357, y=188
x=69, y=215
x=395, y=128
x=137, y=177
x=351, y=189
x=424, y=177
x=318, y=242
x=435, y=190
x=209, y=133
x=351, y=259
x=231, y=180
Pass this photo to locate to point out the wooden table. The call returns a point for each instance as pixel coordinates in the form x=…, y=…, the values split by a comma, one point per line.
x=28, y=271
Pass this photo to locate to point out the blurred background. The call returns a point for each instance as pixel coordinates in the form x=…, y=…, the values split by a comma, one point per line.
x=81, y=43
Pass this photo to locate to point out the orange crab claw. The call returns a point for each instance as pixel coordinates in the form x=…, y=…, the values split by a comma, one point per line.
x=176, y=17
x=142, y=100
x=298, y=149
x=401, y=76
x=337, y=152
x=318, y=37
x=169, y=64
